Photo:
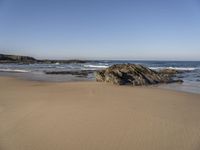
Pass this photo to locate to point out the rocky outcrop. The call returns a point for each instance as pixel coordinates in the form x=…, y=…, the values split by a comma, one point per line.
x=30, y=60
x=132, y=74
x=170, y=71
x=78, y=73
x=16, y=59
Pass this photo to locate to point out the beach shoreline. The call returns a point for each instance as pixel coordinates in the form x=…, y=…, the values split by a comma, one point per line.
x=91, y=115
x=178, y=87
x=187, y=71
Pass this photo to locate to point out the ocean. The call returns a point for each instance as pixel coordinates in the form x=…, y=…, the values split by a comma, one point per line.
x=191, y=76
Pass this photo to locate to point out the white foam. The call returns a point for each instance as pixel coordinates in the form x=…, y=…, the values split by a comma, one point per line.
x=182, y=68
x=60, y=67
x=156, y=68
x=13, y=70
x=175, y=68
x=96, y=66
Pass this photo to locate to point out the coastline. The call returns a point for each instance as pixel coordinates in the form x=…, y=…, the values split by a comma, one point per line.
x=187, y=71
x=90, y=115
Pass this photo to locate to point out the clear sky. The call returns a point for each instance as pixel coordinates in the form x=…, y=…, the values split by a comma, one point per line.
x=101, y=29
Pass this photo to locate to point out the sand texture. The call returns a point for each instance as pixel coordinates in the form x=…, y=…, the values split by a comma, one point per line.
x=96, y=116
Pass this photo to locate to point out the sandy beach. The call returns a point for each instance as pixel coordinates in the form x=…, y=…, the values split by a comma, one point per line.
x=96, y=116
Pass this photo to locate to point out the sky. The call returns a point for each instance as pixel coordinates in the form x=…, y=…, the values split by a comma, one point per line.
x=101, y=29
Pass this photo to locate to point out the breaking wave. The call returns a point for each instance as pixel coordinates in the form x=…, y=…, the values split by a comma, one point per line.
x=14, y=70
x=175, y=68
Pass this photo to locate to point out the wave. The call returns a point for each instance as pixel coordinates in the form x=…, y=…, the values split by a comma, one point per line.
x=175, y=68
x=59, y=67
x=14, y=70
x=96, y=66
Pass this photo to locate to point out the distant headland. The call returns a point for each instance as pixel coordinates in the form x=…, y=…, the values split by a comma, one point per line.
x=4, y=58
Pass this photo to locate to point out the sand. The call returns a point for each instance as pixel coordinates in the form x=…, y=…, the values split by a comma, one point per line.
x=96, y=116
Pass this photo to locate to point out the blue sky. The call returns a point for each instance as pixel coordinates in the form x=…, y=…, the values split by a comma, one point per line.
x=101, y=29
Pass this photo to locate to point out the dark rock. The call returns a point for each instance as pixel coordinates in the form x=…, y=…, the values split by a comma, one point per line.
x=81, y=73
x=16, y=59
x=170, y=71
x=132, y=74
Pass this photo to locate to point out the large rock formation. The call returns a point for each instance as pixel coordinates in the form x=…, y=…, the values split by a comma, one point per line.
x=132, y=74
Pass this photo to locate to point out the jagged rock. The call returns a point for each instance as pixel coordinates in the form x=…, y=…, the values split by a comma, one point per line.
x=132, y=74
x=170, y=71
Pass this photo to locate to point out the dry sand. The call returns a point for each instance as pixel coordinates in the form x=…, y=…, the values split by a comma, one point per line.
x=96, y=116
